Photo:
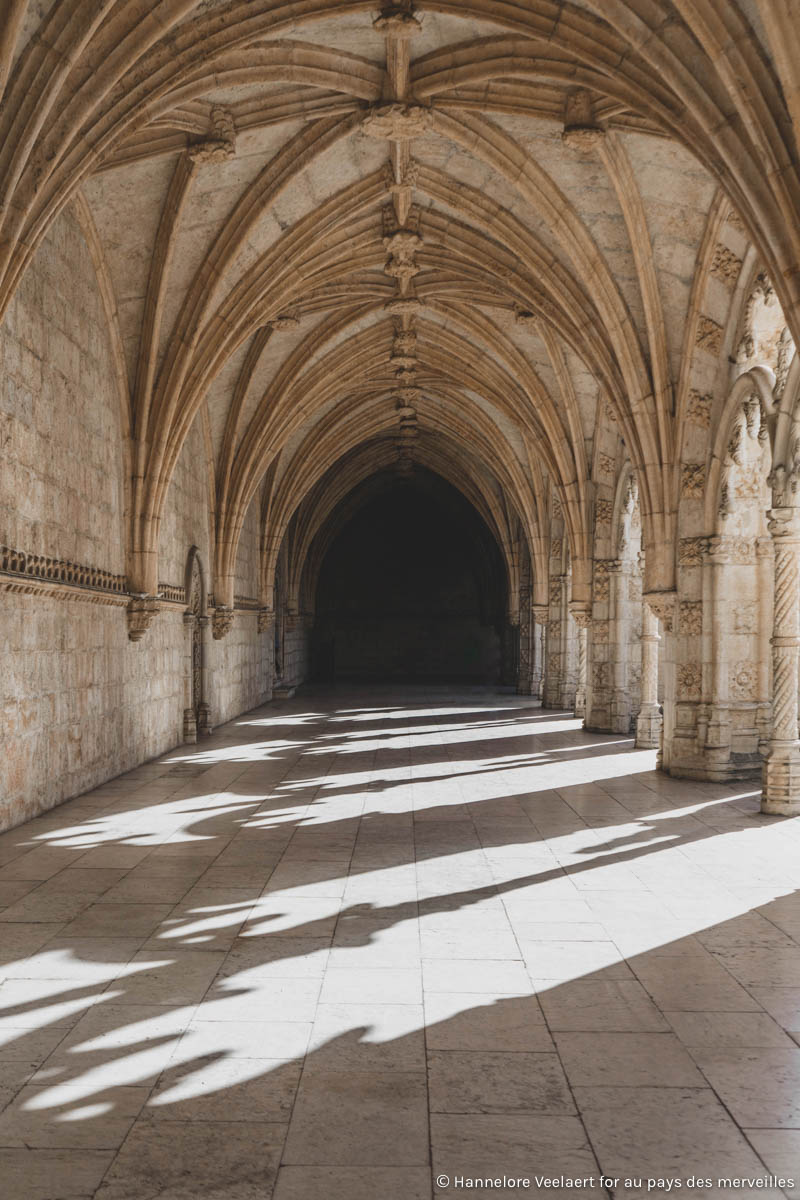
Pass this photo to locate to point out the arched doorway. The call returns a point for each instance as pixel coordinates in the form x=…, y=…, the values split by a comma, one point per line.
x=411, y=587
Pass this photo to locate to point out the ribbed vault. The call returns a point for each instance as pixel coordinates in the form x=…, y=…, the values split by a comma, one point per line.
x=463, y=234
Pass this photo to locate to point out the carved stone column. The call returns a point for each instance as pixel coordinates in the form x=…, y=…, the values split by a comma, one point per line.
x=781, y=778
x=582, y=618
x=189, y=678
x=539, y=616
x=648, y=722
x=205, y=726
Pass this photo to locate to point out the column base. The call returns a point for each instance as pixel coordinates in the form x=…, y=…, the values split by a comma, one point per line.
x=781, y=782
x=189, y=726
x=580, y=703
x=648, y=730
x=204, y=725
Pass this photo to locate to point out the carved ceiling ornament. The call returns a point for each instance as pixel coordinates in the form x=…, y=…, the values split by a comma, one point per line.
x=397, y=122
x=581, y=130
x=221, y=144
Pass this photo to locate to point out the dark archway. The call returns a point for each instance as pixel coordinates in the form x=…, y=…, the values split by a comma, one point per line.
x=412, y=587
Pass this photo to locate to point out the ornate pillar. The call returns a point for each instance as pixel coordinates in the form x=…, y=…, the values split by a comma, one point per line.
x=781, y=777
x=582, y=618
x=190, y=679
x=648, y=722
x=204, y=725
x=539, y=618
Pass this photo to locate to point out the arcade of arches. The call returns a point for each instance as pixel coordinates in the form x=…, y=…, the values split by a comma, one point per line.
x=445, y=345
x=259, y=259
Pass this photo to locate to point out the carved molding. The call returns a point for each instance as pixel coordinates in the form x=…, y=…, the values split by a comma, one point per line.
x=56, y=570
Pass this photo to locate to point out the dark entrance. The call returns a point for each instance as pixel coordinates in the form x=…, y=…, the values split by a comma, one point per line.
x=412, y=588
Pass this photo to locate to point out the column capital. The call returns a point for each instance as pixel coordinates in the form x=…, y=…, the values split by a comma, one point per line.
x=784, y=523
x=663, y=606
x=581, y=615
x=540, y=613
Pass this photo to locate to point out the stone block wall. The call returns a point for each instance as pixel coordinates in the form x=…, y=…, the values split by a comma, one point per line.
x=79, y=702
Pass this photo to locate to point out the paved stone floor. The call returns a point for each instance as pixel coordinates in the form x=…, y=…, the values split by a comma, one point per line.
x=359, y=940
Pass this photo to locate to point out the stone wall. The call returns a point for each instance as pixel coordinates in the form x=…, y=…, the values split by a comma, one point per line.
x=80, y=702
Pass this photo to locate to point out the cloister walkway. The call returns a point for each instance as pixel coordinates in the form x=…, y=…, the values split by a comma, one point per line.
x=360, y=940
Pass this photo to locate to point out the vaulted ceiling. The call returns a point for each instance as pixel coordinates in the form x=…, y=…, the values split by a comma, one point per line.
x=344, y=236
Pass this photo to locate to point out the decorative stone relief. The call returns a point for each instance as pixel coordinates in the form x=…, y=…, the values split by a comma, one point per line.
x=222, y=622
x=600, y=631
x=141, y=613
x=689, y=681
x=555, y=548
x=693, y=480
x=581, y=130
x=662, y=605
x=691, y=617
x=581, y=616
x=786, y=352
x=762, y=290
x=709, y=335
x=691, y=551
x=221, y=145
x=743, y=680
x=600, y=586
x=603, y=512
x=57, y=570
x=605, y=464
x=397, y=122
x=402, y=247
x=600, y=674
x=725, y=265
x=698, y=408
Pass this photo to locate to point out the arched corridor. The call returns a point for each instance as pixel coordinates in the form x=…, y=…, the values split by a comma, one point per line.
x=364, y=938
x=399, y=597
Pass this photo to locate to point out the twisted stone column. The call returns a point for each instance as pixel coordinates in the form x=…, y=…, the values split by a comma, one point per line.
x=648, y=722
x=781, y=776
x=582, y=618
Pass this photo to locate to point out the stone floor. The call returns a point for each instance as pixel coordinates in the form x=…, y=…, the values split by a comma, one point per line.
x=360, y=940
